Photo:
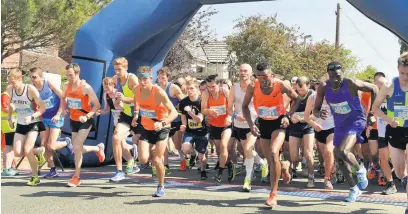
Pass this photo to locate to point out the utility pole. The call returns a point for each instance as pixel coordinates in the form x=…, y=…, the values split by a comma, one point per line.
x=338, y=26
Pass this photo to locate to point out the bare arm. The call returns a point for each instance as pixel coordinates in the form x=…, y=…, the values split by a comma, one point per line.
x=319, y=100
x=162, y=97
x=204, y=101
x=55, y=89
x=183, y=120
x=94, y=100
x=366, y=87
x=34, y=95
x=287, y=89
x=106, y=108
x=231, y=99
x=382, y=95
x=308, y=110
x=197, y=118
x=11, y=109
x=177, y=92
x=245, y=103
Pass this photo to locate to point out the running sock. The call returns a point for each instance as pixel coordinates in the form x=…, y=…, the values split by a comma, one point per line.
x=220, y=170
x=355, y=188
x=258, y=159
x=249, y=164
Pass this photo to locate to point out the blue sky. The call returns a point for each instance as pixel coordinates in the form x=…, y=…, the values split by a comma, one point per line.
x=371, y=43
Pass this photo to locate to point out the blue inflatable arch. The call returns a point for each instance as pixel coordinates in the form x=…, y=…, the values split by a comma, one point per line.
x=143, y=31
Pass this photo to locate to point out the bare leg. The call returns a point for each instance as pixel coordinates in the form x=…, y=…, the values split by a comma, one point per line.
x=28, y=151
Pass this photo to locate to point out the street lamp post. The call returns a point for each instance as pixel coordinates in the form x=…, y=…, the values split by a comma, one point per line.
x=304, y=40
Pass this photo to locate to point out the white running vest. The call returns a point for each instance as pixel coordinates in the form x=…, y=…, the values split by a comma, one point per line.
x=239, y=99
x=381, y=124
x=23, y=106
x=329, y=122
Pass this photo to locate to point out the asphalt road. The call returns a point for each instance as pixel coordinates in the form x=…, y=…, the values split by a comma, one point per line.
x=184, y=194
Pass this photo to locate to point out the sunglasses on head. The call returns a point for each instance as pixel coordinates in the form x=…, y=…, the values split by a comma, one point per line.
x=403, y=63
x=333, y=67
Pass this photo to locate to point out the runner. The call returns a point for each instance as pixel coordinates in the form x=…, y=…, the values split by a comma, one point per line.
x=26, y=102
x=385, y=177
x=51, y=95
x=244, y=135
x=267, y=93
x=324, y=136
x=124, y=96
x=7, y=135
x=342, y=96
x=175, y=94
x=157, y=113
x=397, y=118
x=302, y=131
x=193, y=126
x=214, y=105
x=109, y=96
x=82, y=103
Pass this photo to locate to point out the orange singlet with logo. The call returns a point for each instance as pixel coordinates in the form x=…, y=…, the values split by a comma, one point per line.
x=220, y=106
x=271, y=106
x=365, y=102
x=78, y=103
x=149, y=110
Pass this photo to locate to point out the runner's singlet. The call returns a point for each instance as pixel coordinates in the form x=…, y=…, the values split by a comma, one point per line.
x=397, y=104
x=270, y=106
x=78, y=103
x=239, y=99
x=220, y=106
x=23, y=106
x=51, y=101
x=149, y=110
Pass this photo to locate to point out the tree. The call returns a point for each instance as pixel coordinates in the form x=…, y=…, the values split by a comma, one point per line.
x=33, y=24
x=197, y=32
x=404, y=46
x=260, y=38
x=367, y=74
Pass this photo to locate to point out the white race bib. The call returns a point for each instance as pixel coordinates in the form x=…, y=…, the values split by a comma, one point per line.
x=301, y=115
x=268, y=112
x=401, y=112
x=74, y=103
x=48, y=103
x=221, y=110
x=341, y=108
x=148, y=113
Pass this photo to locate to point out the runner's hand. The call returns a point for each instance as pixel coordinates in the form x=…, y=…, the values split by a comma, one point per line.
x=318, y=128
x=158, y=126
x=56, y=118
x=99, y=112
x=83, y=119
x=119, y=96
x=134, y=121
x=228, y=121
x=394, y=123
x=255, y=130
x=241, y=118
x=324, y=114
x=27, y=119
x=213, y=113
x=183, y=128
x=187, y=109
x=371, y=119
x=285, y=122
x=295, y=118
x=11, y=123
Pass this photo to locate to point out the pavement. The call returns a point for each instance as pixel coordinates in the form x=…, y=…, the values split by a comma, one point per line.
x=185, y=193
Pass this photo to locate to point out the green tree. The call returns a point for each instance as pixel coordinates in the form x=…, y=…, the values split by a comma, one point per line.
x=31, y=24
x=367, y=74
x=260, y=38
x=404, y=46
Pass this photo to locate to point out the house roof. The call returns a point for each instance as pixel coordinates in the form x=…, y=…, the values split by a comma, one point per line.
x=197, y=52
x=216, y=51
x=45, y=62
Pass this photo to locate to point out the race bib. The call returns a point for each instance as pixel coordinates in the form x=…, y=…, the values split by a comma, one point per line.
x=401, y=112
x=23, y=112
x=148, y=113
x=194, y=125
x=381, y=121
x=221, y=110
x=49, y=103
x=341, y=108
x=115, y=113
x=74, y=103
x=268, y=112
x=301, y=115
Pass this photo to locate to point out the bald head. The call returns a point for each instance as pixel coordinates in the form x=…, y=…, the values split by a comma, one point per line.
x=380, y=81
x=245, y=72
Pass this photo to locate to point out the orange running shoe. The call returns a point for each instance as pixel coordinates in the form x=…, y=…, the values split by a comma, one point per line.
x=101, y=152
x=382, y=181
x=371, y=173
x=183, y=165
x=74, y=182
x=272, y=200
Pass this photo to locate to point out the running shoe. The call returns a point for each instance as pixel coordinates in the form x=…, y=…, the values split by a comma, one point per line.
x=183, y=165
x=119, y=175
x=232, y=171
x=247, y=185
x=167, y=170
x=353, y=195
x=159, y=192
x=362, y=181
x=203, y=175
x=310, y=183
x=74, y=182
x=382, y=181
x=272, y=200
x=217, y=165
x=51, y=174
x=294, y=173
x=257, y=167
x=390, y=189
x=134, y=152
x=129, y=166
x=218, y=178
x=154, y=173
x=145, y=166
x=404, y=183
x=327, y=184
x=372, y=173
x=10, y=172
x=34, y=181
x=40, y=157
x=136, y=168
x=264, y=171
x=192, y=161
x=69, y=147
x=101, y=152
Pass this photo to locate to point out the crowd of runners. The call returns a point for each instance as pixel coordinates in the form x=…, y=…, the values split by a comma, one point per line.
x=357, y=130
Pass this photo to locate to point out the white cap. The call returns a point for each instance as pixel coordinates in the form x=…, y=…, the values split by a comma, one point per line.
x=294, y=79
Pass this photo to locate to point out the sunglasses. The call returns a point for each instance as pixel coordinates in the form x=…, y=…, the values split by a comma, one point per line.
x=34, y=77
x=333, y=67
x=403, y=63
x=263, y=77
